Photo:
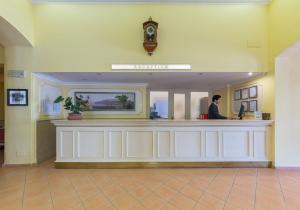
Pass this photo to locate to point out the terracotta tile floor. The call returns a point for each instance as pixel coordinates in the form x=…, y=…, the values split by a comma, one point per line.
x=46, y=188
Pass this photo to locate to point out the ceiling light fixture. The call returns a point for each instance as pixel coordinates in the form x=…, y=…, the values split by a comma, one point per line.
x=250, y=74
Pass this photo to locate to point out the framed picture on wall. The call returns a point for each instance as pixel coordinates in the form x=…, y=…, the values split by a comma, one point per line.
x=108, y=101
x=237, y=95
x=17, y=97
x=245, y=93
x=246, y=105
x=253, y=106
x=253, y=92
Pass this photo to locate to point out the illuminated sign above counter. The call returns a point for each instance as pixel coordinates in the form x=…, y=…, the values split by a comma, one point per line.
x=151, y=67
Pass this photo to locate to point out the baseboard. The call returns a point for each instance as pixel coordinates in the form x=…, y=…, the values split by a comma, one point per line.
x=128, y=165
x=288, y=168
x=4, y=165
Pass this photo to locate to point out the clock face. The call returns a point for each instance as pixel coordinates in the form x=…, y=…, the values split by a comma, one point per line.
x=150, y=30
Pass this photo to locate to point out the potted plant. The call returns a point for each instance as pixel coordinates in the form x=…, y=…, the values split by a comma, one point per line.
x=75, y=108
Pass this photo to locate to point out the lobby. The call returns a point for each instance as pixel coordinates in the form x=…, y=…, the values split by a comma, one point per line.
x=147, y=72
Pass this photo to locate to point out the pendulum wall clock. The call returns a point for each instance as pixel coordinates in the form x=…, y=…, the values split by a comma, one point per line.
x=150, y=35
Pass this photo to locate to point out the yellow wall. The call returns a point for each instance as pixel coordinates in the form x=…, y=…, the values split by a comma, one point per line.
x=2, y=56
x=19, y=14
x=92, y=37
x=284, y=20
x=36, y=102
x=82, y=38
x=267, y=82
x=19, y=123
x=76, y=37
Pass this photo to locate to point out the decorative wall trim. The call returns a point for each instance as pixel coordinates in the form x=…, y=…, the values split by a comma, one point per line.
x=138, y=101
x=122, y=165
x=179, y=144
x=154, y=1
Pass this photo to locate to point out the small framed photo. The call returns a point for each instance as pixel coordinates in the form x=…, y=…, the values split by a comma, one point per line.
x=245, y=93
x=237, y=95
x=253, y=106
x=246, y=105
x=17, y=97
x=253, y=92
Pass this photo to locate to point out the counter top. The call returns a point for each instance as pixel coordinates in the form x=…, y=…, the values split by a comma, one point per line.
x=158, y=123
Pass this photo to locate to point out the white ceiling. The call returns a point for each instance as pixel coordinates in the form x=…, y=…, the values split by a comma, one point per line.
x=152, y=1
x=157, y=80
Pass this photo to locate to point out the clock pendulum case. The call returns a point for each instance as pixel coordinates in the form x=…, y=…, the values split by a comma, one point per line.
x=150, y=35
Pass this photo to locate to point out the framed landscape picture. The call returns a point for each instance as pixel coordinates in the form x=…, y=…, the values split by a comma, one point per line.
x=245, y=93
x=237, y=95
x=253, y=92
x=246, y=105
x=108, y=101
x=253, y=106
x=17, y=97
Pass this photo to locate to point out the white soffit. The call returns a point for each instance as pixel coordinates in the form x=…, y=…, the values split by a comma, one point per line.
x=156, y=1
x=204, y=81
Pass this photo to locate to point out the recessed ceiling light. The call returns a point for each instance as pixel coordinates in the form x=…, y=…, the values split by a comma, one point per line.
x=250, y=74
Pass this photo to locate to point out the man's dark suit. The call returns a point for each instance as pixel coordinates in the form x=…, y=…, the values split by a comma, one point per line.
x=213, y=112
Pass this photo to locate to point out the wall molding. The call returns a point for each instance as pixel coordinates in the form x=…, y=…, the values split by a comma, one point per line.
x=128, y=165
x=153, y=1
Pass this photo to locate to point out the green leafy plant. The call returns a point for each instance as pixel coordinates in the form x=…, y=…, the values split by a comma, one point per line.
x=123, y=99
x=74, y=107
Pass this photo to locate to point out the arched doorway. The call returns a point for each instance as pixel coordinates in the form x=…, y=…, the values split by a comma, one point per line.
x=287, y=108
x=9, y=37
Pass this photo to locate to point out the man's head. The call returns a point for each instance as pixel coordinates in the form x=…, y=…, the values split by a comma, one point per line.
x=216, y=99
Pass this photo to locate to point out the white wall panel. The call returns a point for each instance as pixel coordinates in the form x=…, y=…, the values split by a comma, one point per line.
x=139, y=144
x=115, y=144
x=164, y=144
x=212, y=144
x=187, y=144
x=90, y=144
x=236, y=144
x=260, y=145
x=158, y=144
x=66, y=143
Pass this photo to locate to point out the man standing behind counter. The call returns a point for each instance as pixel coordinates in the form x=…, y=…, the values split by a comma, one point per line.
x=213, y=110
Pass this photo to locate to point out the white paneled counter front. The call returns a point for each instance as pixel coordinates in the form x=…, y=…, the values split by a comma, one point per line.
x=92, y=141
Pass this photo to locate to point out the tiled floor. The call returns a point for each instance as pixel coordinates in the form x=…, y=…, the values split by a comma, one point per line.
x=43, y=188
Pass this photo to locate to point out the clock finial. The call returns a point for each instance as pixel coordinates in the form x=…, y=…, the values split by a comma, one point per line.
x=150, y=18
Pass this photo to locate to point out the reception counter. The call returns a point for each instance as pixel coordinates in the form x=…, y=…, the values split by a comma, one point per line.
x=162, y=143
